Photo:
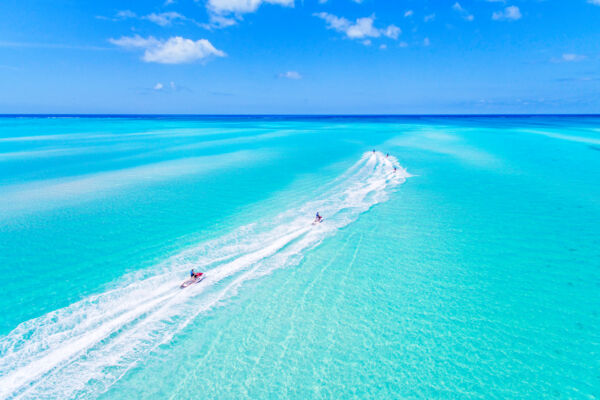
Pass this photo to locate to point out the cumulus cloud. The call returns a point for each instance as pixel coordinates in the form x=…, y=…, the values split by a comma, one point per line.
x=594, y=2
x=510, y=13
x=392, y=32
x=175, y=50
x=362, y=28
x=225, y=13
x=409, y=13
x=242, y=6
x=429, y=17
x=158, y=86
x=294, y=75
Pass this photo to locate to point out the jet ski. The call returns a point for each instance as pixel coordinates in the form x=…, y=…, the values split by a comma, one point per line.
x=193, y=280
x=318, y=221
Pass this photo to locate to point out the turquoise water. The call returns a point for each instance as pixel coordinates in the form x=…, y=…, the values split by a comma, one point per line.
x=473, y=271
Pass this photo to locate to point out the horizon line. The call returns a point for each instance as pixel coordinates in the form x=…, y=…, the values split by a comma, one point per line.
x=124, y=115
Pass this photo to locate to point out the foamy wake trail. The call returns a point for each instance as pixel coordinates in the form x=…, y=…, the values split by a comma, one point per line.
x=81, y=350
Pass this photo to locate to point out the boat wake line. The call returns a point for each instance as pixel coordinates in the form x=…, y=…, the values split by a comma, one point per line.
x=99, y=338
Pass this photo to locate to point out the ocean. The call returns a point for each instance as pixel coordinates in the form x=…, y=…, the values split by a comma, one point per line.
x=459, y=257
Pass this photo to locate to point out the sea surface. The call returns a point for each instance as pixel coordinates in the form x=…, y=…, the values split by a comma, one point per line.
x=463, y=265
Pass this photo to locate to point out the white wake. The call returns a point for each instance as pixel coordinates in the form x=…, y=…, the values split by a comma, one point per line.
x=84, y=348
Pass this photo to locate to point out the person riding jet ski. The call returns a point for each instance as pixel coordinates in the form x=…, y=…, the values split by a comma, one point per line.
x=318, y=218
x=195, y=275
x=194, y=278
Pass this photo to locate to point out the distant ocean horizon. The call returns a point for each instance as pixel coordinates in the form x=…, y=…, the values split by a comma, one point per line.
x=118, y=115
x=458, y=256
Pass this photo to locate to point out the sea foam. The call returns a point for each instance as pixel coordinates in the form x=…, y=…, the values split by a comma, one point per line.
x=84, y=348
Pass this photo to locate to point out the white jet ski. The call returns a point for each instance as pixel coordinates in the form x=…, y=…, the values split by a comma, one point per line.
x=191, y=281
x=318, y=221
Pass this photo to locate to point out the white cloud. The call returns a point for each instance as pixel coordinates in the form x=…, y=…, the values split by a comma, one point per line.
x=409, y=13
x=224, y=13
x=426, y=42
x=170, y=88
x=457, y=7
x=175, y=50
x=402, y=44
x=119, y=16
x=160, y=87
x=383, y=46
x=594, y=2
x=224, y=7
x=179, y=50
x=220, y=21
x=125, y=14
x=429, y=17
x=164, y=19
x=392, y=32
x=360, y=29
x=570, y=57
x=510, y=13
x=135, y=41
x=294, y=75
x=463, y=12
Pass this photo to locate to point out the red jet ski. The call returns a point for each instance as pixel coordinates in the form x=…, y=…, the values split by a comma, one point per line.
x=198, y=277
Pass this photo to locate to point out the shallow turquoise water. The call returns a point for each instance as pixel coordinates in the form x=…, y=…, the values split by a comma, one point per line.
x=476, y=277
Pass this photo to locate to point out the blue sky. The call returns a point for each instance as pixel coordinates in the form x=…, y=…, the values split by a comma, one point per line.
x=293, y=56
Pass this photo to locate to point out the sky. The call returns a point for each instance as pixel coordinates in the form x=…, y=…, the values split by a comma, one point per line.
x=300, y=56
